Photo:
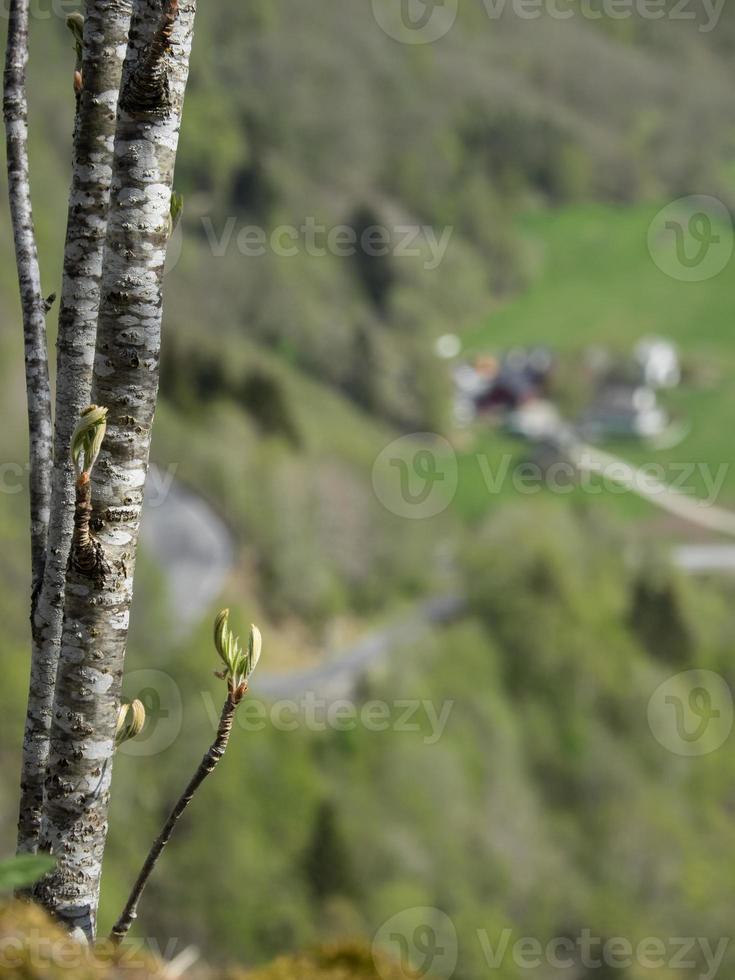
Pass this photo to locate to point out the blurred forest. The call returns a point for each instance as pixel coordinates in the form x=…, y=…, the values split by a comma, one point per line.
x=546, y=805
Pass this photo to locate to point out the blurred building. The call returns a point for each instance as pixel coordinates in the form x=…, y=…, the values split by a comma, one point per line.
x=624, y=410
x=658, y=360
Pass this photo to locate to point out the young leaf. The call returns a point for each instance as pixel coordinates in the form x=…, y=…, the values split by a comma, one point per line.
x=24, y=870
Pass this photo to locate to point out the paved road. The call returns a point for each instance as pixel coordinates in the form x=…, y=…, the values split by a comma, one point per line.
x=336, y=677
x=592, y=460
x=196, y=551
x=701, y=559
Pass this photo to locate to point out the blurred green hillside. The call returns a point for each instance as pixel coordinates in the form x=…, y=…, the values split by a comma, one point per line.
x=546, y=805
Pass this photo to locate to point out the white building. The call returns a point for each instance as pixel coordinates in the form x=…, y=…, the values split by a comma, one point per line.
x=658, y=360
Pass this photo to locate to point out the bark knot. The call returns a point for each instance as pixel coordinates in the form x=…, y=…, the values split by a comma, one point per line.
x=146, y=92
x=87, y=556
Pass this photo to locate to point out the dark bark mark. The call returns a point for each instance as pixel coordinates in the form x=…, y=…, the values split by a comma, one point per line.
x=87, y=554
x=146, y=92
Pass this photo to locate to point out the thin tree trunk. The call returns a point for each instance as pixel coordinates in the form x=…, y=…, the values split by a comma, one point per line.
x=126, y=383
x=106, y=28
x=15, y=112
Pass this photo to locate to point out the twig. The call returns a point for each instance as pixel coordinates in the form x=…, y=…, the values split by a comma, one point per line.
x=15, y=112
x=206, y=766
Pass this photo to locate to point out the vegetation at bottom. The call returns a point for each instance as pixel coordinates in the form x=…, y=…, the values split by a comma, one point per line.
x=517, y=812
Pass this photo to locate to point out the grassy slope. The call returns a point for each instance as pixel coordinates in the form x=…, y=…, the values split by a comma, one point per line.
x=596, y=284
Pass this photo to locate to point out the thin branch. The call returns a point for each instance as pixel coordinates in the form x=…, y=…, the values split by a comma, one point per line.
x=206, y=766
x=15, y=112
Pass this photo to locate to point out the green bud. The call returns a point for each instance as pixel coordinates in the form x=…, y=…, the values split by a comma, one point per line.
x=177, y=209
x=239, y=663
x=87, y=439
x=255, y=645
x=234, y=653
x=221, y=632
x=75, y=23
x=130, y=721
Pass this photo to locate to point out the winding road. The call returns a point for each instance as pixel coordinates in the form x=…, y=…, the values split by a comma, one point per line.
x=195, y=550
x=589, y=459
x=196, y=553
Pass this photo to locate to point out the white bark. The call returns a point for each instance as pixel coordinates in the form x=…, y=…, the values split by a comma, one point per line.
x=106, y=27
x=15, y=112
x=126, y=382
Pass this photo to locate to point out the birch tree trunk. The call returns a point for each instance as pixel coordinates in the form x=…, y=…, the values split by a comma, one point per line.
x=106, y=28
x=99, y=594
x=15, y=113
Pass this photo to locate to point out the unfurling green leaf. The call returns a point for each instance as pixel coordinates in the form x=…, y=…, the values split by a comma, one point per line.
x=23, y=870
x=255, y=645
x=239, y=664
x=221, y=630
x=130, y=721
x=176, y=210
x=86, y=441
x=75, y=23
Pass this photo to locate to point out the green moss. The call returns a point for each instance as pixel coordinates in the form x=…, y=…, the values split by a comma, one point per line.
x=33, y=947
x=338, y=961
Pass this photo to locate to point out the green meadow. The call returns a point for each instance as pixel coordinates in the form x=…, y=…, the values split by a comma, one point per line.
x=596, y=284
